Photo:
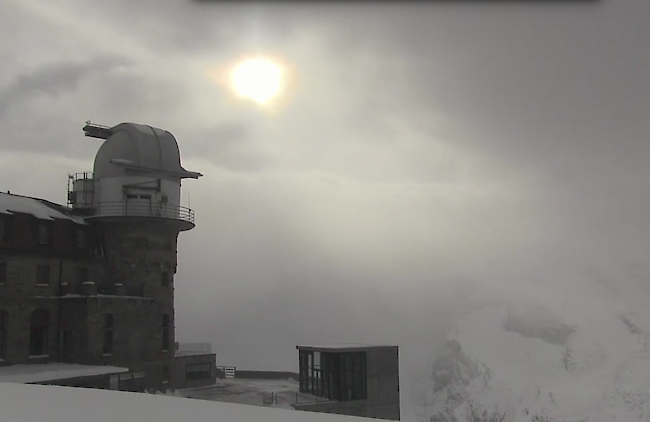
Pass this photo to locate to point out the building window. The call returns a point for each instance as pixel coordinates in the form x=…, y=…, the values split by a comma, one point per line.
x=5, y=227
x=3, y=334
x=141, y=242
x=107, y=347
x=43, y=233
x=40, y=323
x=353, y=365
x=165, y=276
x=166, y=374
x=68, y=345
x=336, y=376
x=198, y=371
x=82, y=274
x=81, y=239
x=3, y=272
x=165, y=332
x=164, y=279
x=43, y=274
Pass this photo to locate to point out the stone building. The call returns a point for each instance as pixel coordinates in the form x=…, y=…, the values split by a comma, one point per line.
x=92, y=282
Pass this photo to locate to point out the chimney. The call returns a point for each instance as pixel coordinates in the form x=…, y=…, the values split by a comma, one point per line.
x=89, y=288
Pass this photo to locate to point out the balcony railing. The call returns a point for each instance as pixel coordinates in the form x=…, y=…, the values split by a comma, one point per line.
x=142, y=209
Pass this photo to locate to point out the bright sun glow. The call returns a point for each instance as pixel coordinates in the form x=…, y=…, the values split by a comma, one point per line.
x=259, y=80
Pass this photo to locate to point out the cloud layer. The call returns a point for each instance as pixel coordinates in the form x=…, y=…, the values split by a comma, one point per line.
x=421, y=154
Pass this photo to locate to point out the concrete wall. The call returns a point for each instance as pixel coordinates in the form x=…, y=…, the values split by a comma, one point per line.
x=383, y=383
x=266, y=375
x=179, y=380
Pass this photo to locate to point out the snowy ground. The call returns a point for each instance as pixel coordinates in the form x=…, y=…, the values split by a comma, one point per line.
x=40, y=403
x=53, y=371
x=250, y=391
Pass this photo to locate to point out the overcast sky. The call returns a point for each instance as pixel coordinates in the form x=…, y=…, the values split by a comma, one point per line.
x=421, y=154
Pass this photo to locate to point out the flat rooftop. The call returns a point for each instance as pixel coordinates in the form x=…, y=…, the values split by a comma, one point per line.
x=250, y=392
x=44, y=372
x=343, y=347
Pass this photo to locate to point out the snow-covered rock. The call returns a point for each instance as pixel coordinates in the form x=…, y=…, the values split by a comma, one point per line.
x=456, y=377
x=546, y=360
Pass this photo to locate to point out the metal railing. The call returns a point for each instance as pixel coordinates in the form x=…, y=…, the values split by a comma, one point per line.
x=142, y=209
x=81, y=175
x=226, y=371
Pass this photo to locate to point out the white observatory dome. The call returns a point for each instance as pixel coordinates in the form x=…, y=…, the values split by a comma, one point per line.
x=135, y=147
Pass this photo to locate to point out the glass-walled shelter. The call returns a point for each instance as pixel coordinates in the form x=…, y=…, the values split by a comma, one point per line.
x=334, y=375
x=350, y=379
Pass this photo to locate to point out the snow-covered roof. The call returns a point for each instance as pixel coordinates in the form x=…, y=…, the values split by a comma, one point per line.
x=44, y=372
x=345, y=346
x=48, y=403
x=39, y=208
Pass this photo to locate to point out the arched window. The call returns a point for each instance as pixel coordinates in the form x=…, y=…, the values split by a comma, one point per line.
x=40, y=323
x=167, y=243
x=165, y=332
x=3, y=334
x=165, y=277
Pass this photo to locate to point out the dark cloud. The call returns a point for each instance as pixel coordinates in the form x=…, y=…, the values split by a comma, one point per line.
x=187, y=28
x=48, y=106
x=532, y=85
x=56, y=78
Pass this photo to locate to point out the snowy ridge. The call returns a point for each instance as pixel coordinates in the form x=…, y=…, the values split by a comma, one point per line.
x=542, y=362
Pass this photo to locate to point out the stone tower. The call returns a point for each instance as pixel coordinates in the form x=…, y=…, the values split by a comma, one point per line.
x=133, y=198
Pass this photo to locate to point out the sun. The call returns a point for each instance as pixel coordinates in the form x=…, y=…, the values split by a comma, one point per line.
x=259, y=80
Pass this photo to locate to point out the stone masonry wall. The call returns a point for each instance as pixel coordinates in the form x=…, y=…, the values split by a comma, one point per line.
x=23, y=292
x=138, y=266
x=141, y=256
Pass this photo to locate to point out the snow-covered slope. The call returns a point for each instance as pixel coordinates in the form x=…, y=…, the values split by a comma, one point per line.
x=47, y=403
x=548, y=357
